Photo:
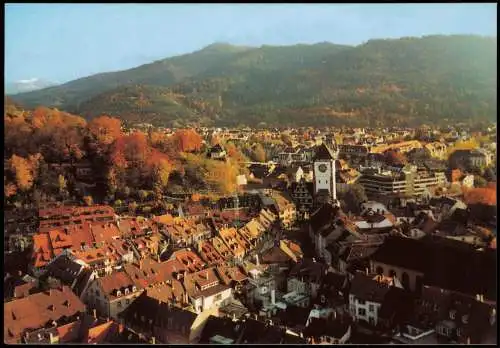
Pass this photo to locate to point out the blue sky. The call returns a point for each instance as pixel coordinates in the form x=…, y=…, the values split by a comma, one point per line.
x=62, y=42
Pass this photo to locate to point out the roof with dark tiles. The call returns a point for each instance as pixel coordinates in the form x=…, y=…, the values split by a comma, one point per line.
x=447, y=263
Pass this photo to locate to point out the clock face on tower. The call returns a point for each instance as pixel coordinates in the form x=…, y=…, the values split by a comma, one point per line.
x=322, y=168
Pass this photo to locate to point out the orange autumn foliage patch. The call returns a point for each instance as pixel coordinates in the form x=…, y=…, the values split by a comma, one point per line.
x=187, y=140
x=481, y=195
x=105, y=129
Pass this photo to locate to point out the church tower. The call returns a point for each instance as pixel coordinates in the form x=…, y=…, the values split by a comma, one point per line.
x=325, y=188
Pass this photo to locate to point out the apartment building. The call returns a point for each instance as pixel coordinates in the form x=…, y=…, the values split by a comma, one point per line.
x=407, y=182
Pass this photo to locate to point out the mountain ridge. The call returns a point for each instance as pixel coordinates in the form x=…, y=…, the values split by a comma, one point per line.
x=379, y=81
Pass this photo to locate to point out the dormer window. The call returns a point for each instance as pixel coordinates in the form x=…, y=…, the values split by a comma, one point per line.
x=452, y=314
x=118, y=293
x=126, y=291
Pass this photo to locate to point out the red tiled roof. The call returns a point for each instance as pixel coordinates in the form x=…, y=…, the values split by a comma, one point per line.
x=189, y=259
x=23, y=290
x=68, y=216
x=42, y=250
x=170, y=267
x=221, y=248
x=228, y=274
x=92, y=255
x=275, y=255
x=209, y=254
x=104, y=232
x=195, y=282
x=230, y=237
x=98, y=333
x=35, y=311
x=69, y=332
x=115, y=281
x=166, y=292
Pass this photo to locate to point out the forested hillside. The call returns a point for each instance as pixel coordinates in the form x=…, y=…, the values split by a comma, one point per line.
x=405, y=81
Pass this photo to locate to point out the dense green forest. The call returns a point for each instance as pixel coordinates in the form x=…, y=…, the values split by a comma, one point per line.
x=407, y=81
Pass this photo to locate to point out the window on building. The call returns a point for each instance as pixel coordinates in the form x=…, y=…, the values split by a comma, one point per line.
x=371, y=308
x=127, y=301
x=119, y=304
x=218, y=297
x=361, y=311
x=361, y=302
x=97, y=293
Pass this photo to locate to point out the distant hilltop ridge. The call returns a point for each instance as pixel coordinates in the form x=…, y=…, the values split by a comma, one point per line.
x=406, y=81
x=27, y=85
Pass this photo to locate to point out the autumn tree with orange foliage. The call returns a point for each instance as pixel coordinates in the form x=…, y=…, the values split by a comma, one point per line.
x=259, y=154
x=221, y=177
x=22, y=170
x=105, y=129
x=58, y=135
x=234, y=153
x=161, y=167
x=187, y=140
x=482, y=195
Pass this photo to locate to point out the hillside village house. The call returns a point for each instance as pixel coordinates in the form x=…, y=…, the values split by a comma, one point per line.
x=366, y=296
x=469, y=159
x=111, y=294
x=217, y=152
x=205, y=291
x=56, y=307
x=305, y=277
x=302, y=194
x=161, y=322
x=286, y=209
